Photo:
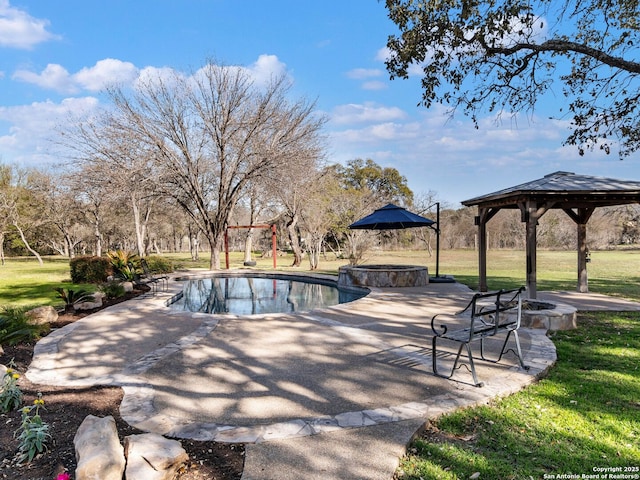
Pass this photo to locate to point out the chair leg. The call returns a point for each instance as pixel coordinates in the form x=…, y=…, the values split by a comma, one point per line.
x=471, y=367
x=518, y=349
x=434, y=360
x=504, y=349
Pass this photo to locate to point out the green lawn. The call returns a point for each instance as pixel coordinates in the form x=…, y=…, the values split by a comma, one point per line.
x=24, y=282
x=584, y=415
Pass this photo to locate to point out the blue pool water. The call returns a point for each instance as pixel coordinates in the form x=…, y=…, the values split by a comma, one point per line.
x=252, y=295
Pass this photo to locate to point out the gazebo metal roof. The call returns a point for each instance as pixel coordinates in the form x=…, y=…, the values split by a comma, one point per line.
x=567, y=189
x=577, y=195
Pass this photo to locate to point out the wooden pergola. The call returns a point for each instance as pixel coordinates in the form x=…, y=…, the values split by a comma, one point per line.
x=577, y=195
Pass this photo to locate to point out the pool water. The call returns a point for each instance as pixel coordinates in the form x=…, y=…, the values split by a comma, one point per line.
x=253, y=295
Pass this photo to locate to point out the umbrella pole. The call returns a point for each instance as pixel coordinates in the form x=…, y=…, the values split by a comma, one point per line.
x=438, y=278
x=438, y=240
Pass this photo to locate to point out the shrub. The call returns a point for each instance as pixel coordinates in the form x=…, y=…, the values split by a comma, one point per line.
x=15, y=326
x=159, y=264
x=90, y=269
x=112, y=289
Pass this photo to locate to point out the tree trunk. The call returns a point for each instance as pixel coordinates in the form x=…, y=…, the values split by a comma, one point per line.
x=314, y=254
x=98, y=237
x=248, y=245
x=194, y=242
x=140, y=226
x=214, y=264
x=2, y=248
x=293, y=239
x=69, y=246
x=26, y=244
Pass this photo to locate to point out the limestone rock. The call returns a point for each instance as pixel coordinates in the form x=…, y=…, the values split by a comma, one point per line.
x=128, y=287
x=153, y=457
x=98, y=298
x=42, y=315
x=98, y=451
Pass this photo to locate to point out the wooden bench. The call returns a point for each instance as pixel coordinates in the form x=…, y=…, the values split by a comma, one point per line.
x=487, y=315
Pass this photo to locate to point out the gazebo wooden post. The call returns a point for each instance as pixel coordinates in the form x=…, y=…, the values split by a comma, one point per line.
x=484, y=215
x=583, y=276
x=532, y=213
x=531, y=249
x=482, y=250
x=581, y=219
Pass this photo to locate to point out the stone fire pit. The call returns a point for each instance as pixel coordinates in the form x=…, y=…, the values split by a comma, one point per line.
x=383, y=276
x=550, y=316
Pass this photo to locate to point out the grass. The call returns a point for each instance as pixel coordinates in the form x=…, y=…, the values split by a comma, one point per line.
x=585, y=414
x=24, y=283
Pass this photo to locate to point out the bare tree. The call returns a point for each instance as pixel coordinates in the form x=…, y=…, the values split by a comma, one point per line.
x=292, y=196
x=21, y=206
x=120, y=165
x=212, y=133
x=61, y=208
x=317, y=213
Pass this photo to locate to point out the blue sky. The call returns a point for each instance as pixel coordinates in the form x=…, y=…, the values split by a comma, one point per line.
x=56, y=57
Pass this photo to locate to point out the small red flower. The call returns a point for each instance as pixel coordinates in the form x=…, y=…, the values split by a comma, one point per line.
x=63, y=476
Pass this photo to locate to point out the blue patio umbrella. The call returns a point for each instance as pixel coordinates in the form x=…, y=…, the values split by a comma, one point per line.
x=391, y=217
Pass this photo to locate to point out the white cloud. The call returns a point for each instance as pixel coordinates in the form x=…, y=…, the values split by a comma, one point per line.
x=374, y=85
x=94, y=79
x=110, y=71
x=106, y=72
x=266, y=68
x=20, y=30
x=152, y=74
x=53, y=77
x=368, y=112
x=453, y=158
x=367, y=74
x=28, y=141
x=383, y=54
x=364, y=73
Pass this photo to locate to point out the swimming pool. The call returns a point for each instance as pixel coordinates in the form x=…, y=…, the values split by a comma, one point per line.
x=254, y=294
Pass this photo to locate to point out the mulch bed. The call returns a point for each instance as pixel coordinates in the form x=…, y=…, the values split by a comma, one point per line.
x=67, y=407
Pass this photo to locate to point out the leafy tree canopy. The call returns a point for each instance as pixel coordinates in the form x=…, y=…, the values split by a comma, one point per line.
x=503, y=55
x=385, y=183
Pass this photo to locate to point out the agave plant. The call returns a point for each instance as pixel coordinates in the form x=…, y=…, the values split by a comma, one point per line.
x=73, y=297
x=124, y=264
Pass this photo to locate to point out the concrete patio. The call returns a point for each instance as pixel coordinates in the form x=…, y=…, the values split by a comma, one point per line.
x=335, y=393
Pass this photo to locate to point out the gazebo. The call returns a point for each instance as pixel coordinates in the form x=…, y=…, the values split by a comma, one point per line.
x=577, y=195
